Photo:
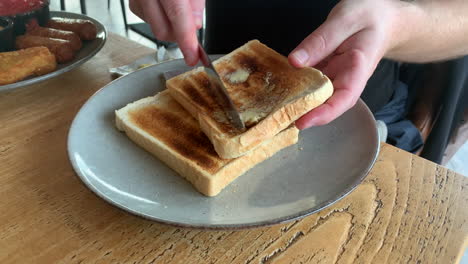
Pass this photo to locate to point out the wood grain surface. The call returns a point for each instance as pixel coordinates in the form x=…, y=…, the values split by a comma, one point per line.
x=408, y=210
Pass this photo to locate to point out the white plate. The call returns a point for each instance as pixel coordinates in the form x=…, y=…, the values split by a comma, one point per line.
x=89, y=49
x=326, y=164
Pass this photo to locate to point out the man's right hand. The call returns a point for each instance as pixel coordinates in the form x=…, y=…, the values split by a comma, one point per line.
x=173, y=20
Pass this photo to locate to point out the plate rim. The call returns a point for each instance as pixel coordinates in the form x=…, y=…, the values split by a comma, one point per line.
x=255, y=224
x=73, y=65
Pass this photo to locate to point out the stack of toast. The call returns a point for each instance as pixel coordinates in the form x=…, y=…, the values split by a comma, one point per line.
x=185, y=127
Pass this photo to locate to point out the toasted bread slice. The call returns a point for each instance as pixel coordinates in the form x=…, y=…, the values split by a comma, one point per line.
x=269, y=93
x=165, y=129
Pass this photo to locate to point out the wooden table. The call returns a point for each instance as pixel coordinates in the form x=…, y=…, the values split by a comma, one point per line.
x=408, y=210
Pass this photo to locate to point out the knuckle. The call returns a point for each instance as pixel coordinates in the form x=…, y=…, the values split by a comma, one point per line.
x=174, y=9
x=350, y=20
x=162, y=34
x=356, y=58
x=340, y=11
x=326, y=116
x=320, y=42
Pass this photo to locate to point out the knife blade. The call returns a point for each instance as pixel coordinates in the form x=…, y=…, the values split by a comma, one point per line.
x=218, y=88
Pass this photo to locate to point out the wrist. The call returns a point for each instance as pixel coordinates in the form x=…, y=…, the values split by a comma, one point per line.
x=408, y=22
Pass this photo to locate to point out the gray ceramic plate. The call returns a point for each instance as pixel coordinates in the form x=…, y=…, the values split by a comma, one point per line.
x=89, y=49
x=326, y=164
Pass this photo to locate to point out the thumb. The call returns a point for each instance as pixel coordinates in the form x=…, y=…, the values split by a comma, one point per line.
x=323, y=41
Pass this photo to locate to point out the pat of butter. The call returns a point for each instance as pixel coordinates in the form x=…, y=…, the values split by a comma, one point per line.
x=238, y=76
x=252, y=117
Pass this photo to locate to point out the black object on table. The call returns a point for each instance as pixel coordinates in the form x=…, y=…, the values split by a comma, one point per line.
x=452, y=106
x=6, y=34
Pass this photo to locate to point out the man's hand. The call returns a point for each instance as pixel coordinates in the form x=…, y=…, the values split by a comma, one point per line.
x=347, y=48
x=173, y=20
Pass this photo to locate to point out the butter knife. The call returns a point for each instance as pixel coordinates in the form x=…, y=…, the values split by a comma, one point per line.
x=220, y=91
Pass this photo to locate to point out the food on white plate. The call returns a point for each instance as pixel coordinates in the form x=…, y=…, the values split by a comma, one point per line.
x=268, y=92
x=18, y=65
x=164, y=128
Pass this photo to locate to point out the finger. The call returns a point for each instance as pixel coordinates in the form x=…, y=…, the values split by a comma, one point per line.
x=370, y=41
x=154, y=15
x=327, y=112
x=135, y=7
x=348, y=87
x=324, y=63
x=334, y=66
x=324, y=40
x=180, y=16
x=198, y=6
x=350, y=68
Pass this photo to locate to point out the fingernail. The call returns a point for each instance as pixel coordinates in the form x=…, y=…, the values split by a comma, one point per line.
x=312, y=122
x=190, y=58
x=301, y=56
x=198, y=16
x=304, y=124
x=198, y=22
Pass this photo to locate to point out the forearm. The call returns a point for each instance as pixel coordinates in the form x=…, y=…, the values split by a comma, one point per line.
x=430, y=30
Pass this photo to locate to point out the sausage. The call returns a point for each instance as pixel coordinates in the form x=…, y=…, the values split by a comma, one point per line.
x=35, y=30
x=59, y=47
x=85, y=29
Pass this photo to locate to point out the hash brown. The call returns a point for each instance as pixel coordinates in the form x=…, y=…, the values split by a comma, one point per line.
x=18, y=65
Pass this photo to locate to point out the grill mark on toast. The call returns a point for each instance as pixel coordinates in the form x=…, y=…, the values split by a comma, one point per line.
x=182, y=135
x=195, y=95
x=249, y=62
x=198, y=90
x=201, y=80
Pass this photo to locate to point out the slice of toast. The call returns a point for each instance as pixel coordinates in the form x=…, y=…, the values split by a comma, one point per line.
x=165, y=129
x=269, y=93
